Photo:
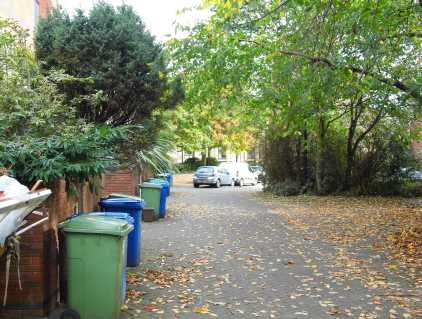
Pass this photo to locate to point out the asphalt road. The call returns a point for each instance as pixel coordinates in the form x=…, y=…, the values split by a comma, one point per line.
x=222, y=253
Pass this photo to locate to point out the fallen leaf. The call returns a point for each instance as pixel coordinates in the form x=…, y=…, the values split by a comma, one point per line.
x=202, y=309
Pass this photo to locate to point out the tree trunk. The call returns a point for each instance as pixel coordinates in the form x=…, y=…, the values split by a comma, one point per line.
x=347, y=183
x=320, y=165
x=204, y=158
x=352, y=142
x=305, y=159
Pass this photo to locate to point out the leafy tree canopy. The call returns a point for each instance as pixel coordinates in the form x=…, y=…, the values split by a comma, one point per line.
x=40, y=136
x=332, y=76
x=115, y=70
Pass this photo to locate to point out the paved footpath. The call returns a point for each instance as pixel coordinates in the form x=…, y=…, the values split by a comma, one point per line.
x=222, y=253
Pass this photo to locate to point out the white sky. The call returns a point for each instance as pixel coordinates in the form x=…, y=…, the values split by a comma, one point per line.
x=158, y=15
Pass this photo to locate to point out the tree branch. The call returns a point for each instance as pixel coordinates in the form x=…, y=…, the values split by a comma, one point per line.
x=328, y=63
x=370, y=127
x=337, y=117
x=405, y=35
x=270, y=12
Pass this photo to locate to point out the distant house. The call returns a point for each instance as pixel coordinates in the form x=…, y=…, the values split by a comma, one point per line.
x=26, y=12
x=221, y=154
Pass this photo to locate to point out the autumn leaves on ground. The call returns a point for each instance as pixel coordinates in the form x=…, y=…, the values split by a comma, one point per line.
x=388, y=226
x=240, y=253
x=393, y=225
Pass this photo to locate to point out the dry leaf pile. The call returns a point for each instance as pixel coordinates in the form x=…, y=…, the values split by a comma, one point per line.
x=390, y=223
x=378, y=242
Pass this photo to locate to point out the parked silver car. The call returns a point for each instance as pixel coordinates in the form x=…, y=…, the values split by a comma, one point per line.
x=211, y=175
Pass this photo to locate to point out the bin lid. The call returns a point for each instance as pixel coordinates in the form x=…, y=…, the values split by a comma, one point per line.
x=114, y=195
x=158, y=181
x=151, y=185
x=96, y=225
x=117, y=215
x=122, y=202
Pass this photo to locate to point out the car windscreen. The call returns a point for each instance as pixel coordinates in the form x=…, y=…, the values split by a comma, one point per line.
x=205, y=170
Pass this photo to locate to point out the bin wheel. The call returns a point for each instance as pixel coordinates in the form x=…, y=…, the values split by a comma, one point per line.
x=70, y=314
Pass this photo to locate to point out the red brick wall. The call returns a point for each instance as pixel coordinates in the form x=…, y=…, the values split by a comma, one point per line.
x=60, y=205
x=39, y=246
x=124, y=181
x=45, y=7
x=40, y=256
x=39, y=275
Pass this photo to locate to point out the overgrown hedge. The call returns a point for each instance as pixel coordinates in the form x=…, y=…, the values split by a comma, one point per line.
x=191, y=164
x=383, y=168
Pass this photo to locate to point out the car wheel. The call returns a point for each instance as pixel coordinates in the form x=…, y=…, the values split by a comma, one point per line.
x=233, y=183
x=217, y=183
x=196, y=185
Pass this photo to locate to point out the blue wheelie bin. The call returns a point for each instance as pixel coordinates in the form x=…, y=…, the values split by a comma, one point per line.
x=130, y=220
x=168, y=177
x=134, y=208
x=165, y=191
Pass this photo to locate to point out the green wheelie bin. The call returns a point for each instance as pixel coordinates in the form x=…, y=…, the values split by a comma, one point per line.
x=95, y=261
x=151, y=194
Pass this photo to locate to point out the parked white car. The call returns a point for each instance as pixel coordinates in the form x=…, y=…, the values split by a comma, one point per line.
x=240, y=173
x=211, y=175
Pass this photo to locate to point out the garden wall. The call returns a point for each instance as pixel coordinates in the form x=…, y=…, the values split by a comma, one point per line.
x=123, y=181
x=40, y=256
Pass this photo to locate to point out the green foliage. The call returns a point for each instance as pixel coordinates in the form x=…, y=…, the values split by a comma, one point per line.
x=116, y=73
x=211, y=161
x=282, y=161
x=285, y=188
x=193, y=163
x=29, y=102
x=76, y=157
x=327, y=81
x=189, y=165
x=40, y=135
x=156, y=156
x=409, y=189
